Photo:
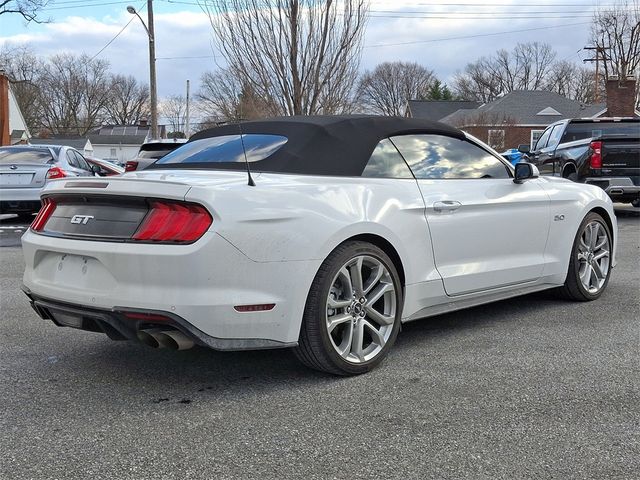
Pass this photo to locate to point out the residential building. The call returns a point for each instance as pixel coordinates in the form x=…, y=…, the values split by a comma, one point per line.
x=520, y=117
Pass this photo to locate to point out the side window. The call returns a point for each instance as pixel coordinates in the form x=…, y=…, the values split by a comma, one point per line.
x=554, y=137
x=542, y=141
x=386, y=162
x=72, y=159
x=81, y=161
x=440, y=157
x=535, y=136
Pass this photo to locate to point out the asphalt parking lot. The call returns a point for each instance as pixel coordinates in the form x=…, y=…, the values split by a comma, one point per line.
x=532, y=387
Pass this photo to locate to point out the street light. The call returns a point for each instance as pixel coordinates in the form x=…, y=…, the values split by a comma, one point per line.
x=152, y=65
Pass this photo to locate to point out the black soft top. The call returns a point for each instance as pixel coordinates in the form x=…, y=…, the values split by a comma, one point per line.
x=325, y=145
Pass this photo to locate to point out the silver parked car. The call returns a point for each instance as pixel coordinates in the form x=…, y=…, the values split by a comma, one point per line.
x=25, y=169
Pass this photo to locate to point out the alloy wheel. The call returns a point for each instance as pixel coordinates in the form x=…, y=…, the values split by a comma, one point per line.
x=594, y=254
x=361, y=309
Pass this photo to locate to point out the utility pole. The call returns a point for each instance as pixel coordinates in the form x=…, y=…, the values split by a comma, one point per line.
x=186, y=127
x=152, y=72
x=152, y=65
x=598, y=50
x=5, y=138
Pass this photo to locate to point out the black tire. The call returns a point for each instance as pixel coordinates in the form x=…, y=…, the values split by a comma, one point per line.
x=315, y=348
x=573, y=177
x=573, y=289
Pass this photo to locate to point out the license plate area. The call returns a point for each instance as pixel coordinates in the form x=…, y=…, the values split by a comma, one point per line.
x=12, y=179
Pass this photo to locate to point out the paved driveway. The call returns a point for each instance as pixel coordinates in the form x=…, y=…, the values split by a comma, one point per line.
x=531, y=387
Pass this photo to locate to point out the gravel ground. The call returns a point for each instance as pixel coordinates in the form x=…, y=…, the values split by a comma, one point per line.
x=532, y=387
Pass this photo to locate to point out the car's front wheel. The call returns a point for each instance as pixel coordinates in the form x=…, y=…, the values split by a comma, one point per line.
x=590, y=263
x=353, y=311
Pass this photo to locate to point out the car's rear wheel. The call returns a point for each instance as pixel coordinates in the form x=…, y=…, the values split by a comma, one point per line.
x=590, y=263
x=353, y=311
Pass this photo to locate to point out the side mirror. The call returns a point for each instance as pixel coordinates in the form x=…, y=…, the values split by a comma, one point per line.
x=525, y=171
x=524, y=148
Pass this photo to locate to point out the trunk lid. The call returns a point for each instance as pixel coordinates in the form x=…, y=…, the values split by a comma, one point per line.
x=23, y=175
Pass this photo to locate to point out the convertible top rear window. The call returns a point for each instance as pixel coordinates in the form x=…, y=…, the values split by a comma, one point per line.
x=225, y=149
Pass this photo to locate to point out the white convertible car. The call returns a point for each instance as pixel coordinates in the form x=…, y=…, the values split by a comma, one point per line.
x=322, y=234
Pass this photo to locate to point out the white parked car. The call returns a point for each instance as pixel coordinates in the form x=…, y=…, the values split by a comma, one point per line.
x=346, y=227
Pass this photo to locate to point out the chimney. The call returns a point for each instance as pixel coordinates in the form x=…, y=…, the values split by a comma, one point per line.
x=5, y=138
x=621, y=96
x=143, y=122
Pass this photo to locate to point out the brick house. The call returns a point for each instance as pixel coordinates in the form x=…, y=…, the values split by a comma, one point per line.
x=520, y=117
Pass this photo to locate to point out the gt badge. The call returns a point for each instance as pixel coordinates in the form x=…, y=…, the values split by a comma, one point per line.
x=83, y=219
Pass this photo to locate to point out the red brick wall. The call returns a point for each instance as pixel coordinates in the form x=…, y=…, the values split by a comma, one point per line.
x=621, y=97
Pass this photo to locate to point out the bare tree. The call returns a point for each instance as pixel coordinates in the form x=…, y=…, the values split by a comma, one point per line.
x=572, y=81
x=174, y=109
x=222, y=97
x=128, y=101
x=28, y=9
x=387, y=89
x=616, y=32
x=23, y=68
x=523, y=68
x=304, y=54
x=73, y=92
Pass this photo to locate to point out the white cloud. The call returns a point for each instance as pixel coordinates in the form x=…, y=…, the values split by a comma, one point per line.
x=188, y=34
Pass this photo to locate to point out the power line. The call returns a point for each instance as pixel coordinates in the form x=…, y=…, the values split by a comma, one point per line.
x=475, y=36
x=140, y=9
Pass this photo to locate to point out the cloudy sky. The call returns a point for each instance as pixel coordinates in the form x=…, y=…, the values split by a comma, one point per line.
x=443, y=35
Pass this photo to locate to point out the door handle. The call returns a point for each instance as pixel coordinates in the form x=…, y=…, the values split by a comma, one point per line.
x=446, y=206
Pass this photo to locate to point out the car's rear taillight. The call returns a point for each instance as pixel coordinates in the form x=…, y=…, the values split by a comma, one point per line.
x=596, y=155
x=48, y=206
x=130, y=166
x=173, y=222
x=56, y=172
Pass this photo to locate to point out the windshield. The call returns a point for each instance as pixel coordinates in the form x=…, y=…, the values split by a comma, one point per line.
x=224, y=151
x=25, y=155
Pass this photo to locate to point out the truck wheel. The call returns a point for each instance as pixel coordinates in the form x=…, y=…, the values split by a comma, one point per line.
x=590, y=263
x=573, y=177
x=353, y=311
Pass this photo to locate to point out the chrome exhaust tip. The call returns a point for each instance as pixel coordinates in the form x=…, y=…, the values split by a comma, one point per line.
x=174, y=340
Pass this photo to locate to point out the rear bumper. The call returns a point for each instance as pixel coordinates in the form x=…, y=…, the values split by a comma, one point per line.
x=117, y=326
x=200, y=284
x=19, y=200
x=621, y=189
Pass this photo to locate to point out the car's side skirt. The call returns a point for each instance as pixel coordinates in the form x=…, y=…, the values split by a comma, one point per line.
x=472, y=300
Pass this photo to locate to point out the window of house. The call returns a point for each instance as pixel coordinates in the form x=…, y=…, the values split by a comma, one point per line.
x=496, y=139
x=441, y=157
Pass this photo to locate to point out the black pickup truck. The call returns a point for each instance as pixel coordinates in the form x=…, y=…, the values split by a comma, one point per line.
x=602, y=151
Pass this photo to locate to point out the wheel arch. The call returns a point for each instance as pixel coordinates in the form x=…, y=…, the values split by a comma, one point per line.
x=568, y=169
x=386, y=246
x=605, y=215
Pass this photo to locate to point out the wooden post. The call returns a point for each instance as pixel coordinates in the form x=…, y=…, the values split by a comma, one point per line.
x=5, y=138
